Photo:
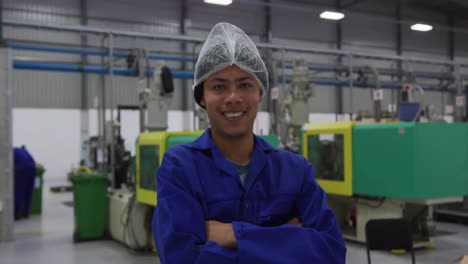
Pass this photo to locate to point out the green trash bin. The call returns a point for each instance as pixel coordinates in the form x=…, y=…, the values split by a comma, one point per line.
x=90, y=206
x=36, y=201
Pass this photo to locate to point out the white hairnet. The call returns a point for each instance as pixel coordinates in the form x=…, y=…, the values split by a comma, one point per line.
x=227, y=45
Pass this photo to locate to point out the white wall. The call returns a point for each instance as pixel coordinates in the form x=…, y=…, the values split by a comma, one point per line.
x=53, y=135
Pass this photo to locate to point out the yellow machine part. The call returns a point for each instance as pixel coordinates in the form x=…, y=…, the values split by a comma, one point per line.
x=159, y=139
x=344, y=187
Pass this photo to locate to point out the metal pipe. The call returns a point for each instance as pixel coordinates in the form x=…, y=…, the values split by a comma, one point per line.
x=399, y=51
x=382, y=71
x=280, y=130
x=183, y=49
x=266, y=37
x=94, y=52
x=460, y=86
x=356, y=54
x=102, y=113
x=2, y=40
x=95, y=30
x=339, y=44
x=371, y=85
x=25, y=65
x=80, y=29
x=350, y=68
x=84, y=106
x=111, y=106
x=30, y=65
x=321, y=68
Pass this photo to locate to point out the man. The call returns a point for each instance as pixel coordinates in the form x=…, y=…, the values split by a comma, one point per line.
x=229, y=197
x=25, y=173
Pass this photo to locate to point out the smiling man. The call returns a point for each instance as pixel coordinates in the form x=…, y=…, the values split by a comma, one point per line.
x=229, y=197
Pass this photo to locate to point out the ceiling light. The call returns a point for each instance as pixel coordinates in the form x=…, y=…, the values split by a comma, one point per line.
x=331, y=15
x=219, y=2
x=421, y=27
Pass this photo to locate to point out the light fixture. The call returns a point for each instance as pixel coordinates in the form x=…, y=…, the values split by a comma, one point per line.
x=219, y=2
x=331, y=15
x=421, y=27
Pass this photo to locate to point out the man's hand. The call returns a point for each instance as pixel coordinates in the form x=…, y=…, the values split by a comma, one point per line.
x=295, y=222
x=221, y=233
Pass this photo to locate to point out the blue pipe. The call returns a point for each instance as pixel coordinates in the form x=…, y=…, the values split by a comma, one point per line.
x=90, y=52
x=27, y=65
x=383, y=85
x=386, y=72
x=172, y=58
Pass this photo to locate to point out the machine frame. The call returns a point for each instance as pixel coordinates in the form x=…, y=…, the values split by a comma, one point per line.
x=344, y=187
x=150, y=139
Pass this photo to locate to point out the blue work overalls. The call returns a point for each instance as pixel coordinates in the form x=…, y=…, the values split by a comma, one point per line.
x=25, y=173
x=197, y=183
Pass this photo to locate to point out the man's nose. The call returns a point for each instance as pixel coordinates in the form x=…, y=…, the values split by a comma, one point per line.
x=233, y=97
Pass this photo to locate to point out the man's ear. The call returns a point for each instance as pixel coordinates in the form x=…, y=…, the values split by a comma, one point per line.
x=202, y=102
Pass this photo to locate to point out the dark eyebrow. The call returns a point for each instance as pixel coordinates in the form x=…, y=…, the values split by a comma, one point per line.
x=241, y=79
x=217, y=80
x=238, y=80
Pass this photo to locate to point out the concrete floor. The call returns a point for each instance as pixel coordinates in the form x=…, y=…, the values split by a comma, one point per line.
x=48, y=239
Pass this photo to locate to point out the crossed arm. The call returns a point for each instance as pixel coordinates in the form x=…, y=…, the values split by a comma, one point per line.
x=316, y=240
x=223, y=233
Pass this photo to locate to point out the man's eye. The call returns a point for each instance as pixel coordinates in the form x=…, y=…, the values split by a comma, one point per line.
x=245, y=85
x=218, y=87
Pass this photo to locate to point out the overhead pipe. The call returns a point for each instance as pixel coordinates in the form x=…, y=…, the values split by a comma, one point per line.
x=100, y=31
x=172, y=37
x=382, y=71
x=344, y=83
x=42, y=66
x=94, y=52
x=27, y=65
x=357, y=54
x=321, y=68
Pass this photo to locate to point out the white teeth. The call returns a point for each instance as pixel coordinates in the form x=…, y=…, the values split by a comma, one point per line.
x=230, y=115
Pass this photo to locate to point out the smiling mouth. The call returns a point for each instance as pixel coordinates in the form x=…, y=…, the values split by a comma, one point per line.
x=233, y=114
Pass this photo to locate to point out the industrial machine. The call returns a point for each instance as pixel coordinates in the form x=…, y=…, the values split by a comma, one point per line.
x=130, y=220
x=295, y=107
x=150, y=151
x=388, y=170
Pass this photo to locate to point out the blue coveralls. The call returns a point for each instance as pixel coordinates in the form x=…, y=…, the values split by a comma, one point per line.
x=25, y=173
x=197, y=183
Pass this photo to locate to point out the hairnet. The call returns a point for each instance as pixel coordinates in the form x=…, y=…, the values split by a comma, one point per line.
x=227, y=45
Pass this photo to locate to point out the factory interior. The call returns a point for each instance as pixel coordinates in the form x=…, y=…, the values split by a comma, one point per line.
x=372, y=93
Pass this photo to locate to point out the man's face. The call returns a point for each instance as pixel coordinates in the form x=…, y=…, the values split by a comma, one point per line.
x=231, y=98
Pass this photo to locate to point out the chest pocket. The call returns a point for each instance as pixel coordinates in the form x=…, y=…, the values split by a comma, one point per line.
x=225, y=211
x=276, y=210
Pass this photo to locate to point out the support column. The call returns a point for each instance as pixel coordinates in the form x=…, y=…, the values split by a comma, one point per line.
x=459, y=110
x=339, y=46
x=84, y=107
x=186, y=93
x=399, y=51
x=6, y=147
x=271, y=105
x=2, y=42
